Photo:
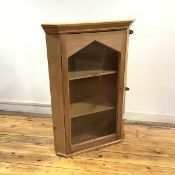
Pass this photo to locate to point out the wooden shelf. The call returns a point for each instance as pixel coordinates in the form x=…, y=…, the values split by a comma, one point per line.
x=84, y=108
x=73, y=75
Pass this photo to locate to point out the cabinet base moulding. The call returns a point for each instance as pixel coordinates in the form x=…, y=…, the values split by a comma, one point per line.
x=88, y=149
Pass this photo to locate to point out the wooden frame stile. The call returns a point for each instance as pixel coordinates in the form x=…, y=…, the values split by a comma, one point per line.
x=55, y=75
x=65, y=89
x=70, y=40
x=122, y=85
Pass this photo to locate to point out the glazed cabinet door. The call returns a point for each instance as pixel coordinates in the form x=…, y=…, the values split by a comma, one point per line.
x=93, y=73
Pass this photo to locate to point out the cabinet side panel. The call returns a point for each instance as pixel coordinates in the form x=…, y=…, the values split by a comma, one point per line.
x=55, y=75
x=122, y=85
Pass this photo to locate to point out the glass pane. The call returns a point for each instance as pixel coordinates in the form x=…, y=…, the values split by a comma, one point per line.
x=94, y=59
x=93, y=91
x=93, y=126
x=93, y=94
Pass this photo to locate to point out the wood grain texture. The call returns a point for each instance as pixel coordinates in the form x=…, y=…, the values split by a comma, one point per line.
x=86, y=27
x=75, y=42
x=145, y=150
x=115, y=40
x=74, y=75
x=56, y=84
x=84, y=108
x=121, y=84
x=86, y=48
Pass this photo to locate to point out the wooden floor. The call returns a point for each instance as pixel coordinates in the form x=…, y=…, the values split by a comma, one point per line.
x=26, y=147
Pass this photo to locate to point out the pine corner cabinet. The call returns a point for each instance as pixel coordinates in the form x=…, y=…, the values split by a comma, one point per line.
x=87, y=69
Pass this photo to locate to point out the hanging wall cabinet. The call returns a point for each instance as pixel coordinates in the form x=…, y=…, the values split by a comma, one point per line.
x=87, y=69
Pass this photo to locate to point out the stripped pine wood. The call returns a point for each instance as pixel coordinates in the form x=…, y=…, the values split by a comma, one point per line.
x=26, y=148
x=6, y=138
x=118, y=148
x=45, y=122
x=79, y=164
x=74, y=75
x=25, y=130
x=144, y=150
x=83, y=108
x=22, y=169
x=47, y=140
x=148, y=160
x=95, y=157
x=70, y=47
x=148, y=142
x=154, y=130
x=23, y=151
x=18, y=118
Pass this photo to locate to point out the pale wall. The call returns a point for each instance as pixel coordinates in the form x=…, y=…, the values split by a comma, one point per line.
x=151, y=66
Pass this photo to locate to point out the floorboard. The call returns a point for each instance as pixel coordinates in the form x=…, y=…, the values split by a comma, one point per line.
x=26, y=147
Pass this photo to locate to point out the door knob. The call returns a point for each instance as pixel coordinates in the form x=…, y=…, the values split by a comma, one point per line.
x=131, y=31
x=127, y=88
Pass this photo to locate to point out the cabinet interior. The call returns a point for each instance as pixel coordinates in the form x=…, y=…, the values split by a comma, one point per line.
x=93, y=73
